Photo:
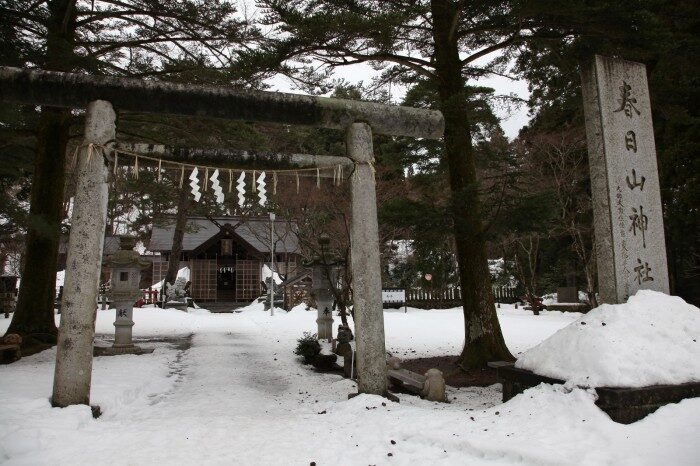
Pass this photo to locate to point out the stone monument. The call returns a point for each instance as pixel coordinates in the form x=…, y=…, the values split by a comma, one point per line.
x=125, y=266
x=434, y=386
x=345, y=349
x=629, y=231
x=567, y=294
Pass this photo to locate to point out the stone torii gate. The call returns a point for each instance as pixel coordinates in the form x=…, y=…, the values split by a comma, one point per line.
x=102, y=95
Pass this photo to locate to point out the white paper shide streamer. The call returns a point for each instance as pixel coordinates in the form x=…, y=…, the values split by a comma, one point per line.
x=194, y=183
x=240, y=187
x=216, y=187
x=262, y=193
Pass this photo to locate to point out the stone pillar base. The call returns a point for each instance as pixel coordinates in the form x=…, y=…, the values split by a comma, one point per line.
x=325, y=327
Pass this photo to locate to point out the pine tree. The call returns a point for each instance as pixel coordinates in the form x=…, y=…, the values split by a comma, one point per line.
x=447, y=42
x=440, y=41
x=663, y=36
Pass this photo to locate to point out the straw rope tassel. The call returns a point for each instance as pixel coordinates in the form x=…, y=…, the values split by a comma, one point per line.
x=230, y=180
x=136, y=168
x=89, y=154
x=318, y=178
x=297, y=174
x=182, y=175
x=159, y=169
x=274, y=182
x=253, y=183
x=206, y=177
x=74, y=160
x=116, y=162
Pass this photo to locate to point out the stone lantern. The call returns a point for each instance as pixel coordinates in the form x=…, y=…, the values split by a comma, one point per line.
x=324, y=270
x=125, y=266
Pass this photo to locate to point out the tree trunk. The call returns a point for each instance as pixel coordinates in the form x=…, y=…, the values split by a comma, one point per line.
x=34, y=317
x=483, y=338
x=590, y=284
x=183, y=203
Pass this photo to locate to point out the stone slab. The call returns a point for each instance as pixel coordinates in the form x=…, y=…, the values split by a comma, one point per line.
x=403, y=379
x=569, y=307
x=567, y=294
x=623, y=404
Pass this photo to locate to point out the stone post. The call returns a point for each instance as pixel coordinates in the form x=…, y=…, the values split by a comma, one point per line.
x=367, y=288
x=324, y=303
x=628, y=220
x=79, y=304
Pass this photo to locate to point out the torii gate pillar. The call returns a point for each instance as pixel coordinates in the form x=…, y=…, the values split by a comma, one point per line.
x=71, y=384
x=367, y=280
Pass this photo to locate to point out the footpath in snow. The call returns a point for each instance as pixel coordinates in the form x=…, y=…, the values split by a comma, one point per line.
x=228, y=390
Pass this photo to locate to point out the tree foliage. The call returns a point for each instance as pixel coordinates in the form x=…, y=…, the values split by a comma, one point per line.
x=663, y=35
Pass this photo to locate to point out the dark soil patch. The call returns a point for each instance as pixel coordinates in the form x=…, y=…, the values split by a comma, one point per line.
x=454, y=375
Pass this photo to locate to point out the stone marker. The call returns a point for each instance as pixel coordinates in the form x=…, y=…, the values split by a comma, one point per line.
x=434, y=386
x=393, y=363
x=629, y=231
x=567, y=294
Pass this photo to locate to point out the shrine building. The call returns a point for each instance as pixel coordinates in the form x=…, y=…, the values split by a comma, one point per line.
x=226, y=255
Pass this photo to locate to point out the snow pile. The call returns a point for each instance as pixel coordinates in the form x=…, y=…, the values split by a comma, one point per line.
x=650, y=340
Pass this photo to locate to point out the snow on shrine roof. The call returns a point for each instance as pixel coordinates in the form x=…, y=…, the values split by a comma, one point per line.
x=255, y=231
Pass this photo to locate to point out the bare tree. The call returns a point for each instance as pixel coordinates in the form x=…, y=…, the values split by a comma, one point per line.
x=560, y=163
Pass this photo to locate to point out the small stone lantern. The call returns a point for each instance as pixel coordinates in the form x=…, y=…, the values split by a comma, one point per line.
x=323, y=269
x=125, y=266
x=324, y=303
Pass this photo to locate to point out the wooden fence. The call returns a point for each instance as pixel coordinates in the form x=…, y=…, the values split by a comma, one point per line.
x=452, y=297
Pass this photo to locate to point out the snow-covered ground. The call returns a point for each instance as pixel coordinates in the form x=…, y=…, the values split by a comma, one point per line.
x=238, y=395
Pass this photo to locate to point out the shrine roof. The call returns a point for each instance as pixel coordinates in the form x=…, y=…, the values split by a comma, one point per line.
x=254, y=231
